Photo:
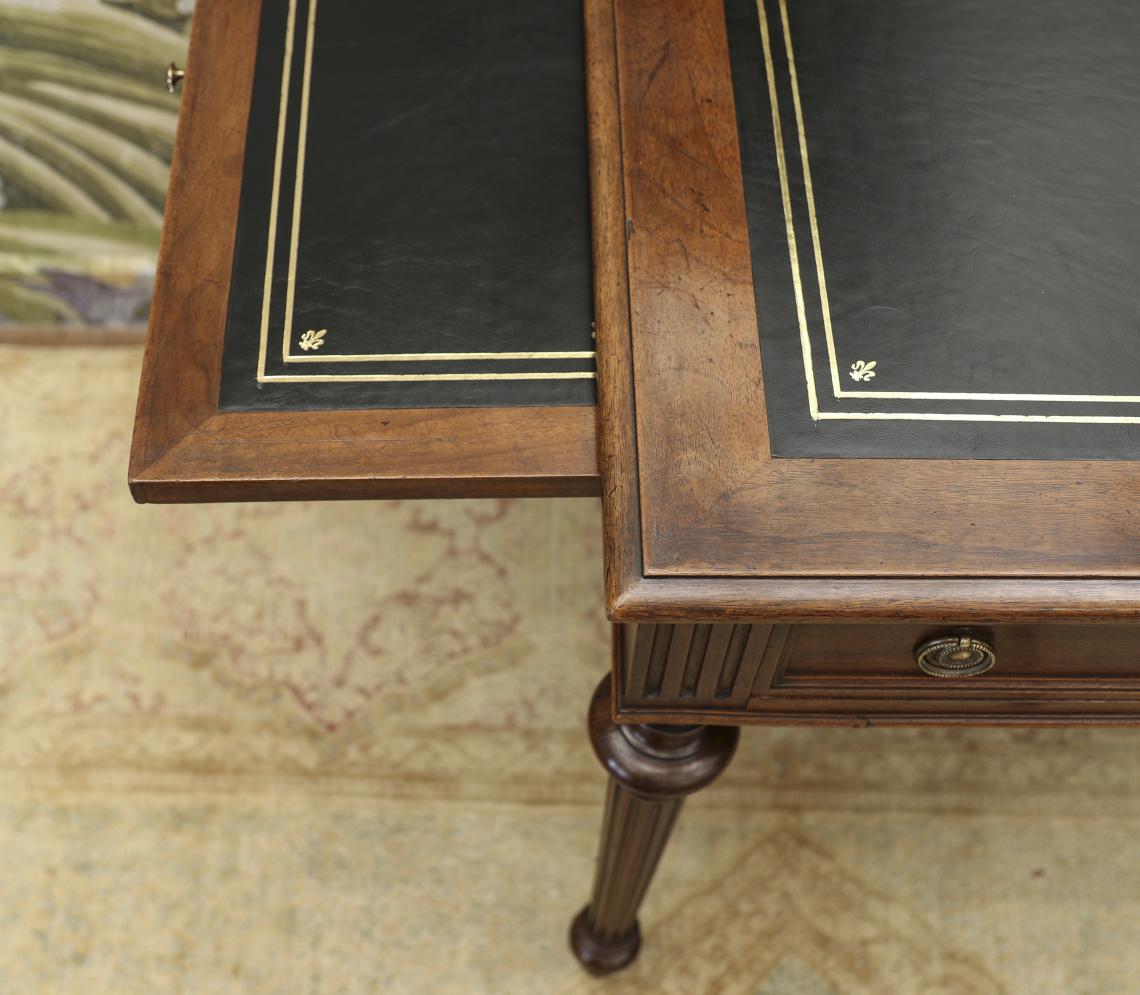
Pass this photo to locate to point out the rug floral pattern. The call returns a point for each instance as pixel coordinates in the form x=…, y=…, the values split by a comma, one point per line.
x=340, y=748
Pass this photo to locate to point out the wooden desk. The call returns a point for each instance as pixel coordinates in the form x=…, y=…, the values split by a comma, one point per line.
x=804, y=487
x=868, y=432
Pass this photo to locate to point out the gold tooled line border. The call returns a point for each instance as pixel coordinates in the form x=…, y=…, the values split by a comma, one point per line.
x=287, y=334
x=789, y=220
x=805, y=337
x=415, y=357
x=275, y=199
x=299, y=182
x=383, y=377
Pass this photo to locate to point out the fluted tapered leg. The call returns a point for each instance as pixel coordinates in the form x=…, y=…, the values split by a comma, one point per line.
x=652, y=768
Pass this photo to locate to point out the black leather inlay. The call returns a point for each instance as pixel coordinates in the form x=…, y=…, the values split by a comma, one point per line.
x=963, y=185
x=436, y=152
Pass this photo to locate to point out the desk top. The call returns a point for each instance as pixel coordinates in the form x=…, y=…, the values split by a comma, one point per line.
x=944, y=219
x=414, y=220
x=375, y=271
x=869, y=336
x=839, y=377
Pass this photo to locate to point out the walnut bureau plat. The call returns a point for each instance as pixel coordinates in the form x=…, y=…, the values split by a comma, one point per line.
x=763, y=564
x=867, y=282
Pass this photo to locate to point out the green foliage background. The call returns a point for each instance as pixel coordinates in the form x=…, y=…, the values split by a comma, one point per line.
x=86, y=131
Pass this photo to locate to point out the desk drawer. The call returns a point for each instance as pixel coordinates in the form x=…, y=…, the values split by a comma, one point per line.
x=865, y=674
x=1023, y=655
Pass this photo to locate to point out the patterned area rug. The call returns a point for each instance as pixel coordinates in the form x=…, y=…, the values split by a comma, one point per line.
x=340, y=749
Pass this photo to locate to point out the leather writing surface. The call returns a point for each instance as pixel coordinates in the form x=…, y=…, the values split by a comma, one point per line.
x=944, y=215
x=414, y=220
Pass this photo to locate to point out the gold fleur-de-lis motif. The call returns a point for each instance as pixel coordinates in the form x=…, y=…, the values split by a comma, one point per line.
x=863, y=371
x=314, y=340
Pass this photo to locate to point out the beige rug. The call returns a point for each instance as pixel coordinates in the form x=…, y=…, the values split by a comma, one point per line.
x=339, y=748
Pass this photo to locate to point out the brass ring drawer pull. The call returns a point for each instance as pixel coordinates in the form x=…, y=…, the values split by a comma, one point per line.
x=961, y=655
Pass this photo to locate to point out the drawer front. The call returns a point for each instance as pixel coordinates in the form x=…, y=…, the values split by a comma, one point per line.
x=865, y=674
x=1036, y=656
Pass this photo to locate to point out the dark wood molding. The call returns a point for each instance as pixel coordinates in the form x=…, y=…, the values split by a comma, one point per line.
x=977, y=600
x=687, y=665
x=186, y=450
x=617, y=445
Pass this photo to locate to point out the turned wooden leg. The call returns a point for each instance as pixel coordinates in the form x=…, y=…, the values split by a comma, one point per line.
x=652, y=768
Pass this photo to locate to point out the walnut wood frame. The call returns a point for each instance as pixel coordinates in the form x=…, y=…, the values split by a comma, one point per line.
x=186, y=450
x=862, y=675
x=701, y=523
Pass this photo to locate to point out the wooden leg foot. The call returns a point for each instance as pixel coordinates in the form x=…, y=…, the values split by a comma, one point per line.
x=652, y=768
x=602, y=955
